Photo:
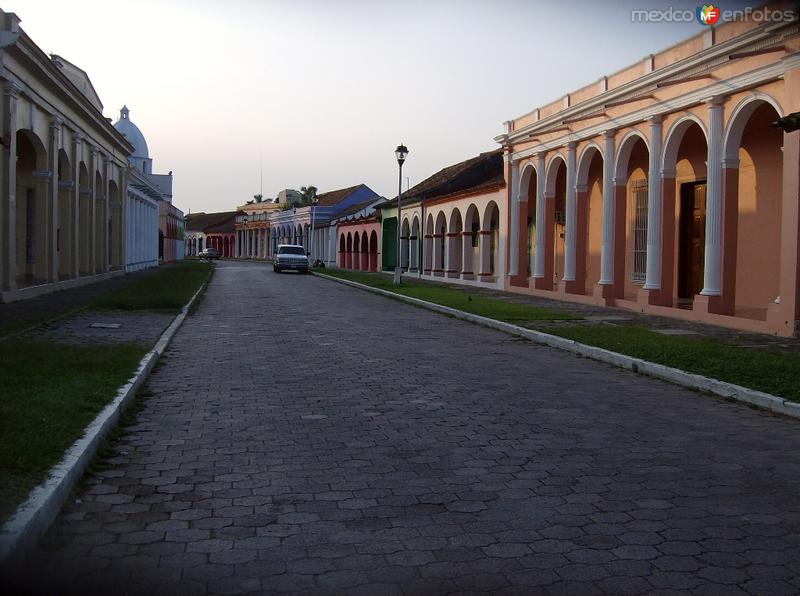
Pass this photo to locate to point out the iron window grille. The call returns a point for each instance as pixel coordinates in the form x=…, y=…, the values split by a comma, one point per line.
x=640, y=198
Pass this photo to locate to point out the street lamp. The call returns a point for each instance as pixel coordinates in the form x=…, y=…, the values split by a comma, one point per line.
x=401, y=152
x=311, y=243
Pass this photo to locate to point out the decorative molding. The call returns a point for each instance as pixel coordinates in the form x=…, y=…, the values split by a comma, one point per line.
x=719, y=51
x=12, y=88
x=730, y=86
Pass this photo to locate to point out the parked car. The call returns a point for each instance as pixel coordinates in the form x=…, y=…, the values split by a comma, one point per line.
x=290, y=257
x=209, y=253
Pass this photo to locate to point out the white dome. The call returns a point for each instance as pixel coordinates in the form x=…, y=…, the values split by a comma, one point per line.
x=132, y=134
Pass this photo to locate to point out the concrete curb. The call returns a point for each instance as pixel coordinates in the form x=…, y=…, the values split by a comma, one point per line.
x=32, y=519
x=658, y=371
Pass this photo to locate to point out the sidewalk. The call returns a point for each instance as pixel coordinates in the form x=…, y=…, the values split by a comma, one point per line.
x=16, y=316
x=600, y=315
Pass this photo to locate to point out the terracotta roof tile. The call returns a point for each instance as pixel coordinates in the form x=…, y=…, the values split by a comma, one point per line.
x=483, y=171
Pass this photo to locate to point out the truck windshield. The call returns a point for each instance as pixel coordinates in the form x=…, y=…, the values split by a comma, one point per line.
x=291, y=250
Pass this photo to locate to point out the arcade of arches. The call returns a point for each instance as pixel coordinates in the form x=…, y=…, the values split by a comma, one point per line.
x=62, y=204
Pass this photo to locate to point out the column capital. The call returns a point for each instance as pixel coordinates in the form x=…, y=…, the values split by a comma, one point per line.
x=56, y=122
x=572, y=145
x=655, y=120
x=12, y=88
x=609, y=134
x=715, y=101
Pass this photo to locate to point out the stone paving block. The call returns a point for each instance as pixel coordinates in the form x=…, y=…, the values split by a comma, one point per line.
x=440, y=458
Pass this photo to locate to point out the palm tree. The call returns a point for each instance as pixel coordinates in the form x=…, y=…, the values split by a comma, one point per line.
x=258, y=198
x=307, y=194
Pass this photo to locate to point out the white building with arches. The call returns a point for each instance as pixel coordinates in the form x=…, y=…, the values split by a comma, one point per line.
x=453, y=224
x=663, y=188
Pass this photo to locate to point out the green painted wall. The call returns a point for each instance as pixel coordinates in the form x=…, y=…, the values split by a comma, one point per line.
x=389, y=243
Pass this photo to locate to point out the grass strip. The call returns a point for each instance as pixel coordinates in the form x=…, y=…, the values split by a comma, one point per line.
x=168, y=289
x=51, y=392
x=770, y=371
x=493, y=308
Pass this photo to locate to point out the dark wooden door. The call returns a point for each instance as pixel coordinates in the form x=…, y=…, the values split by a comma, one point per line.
x=692, y=240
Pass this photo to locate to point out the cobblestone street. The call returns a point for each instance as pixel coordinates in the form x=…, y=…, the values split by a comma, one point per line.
x=303, y=436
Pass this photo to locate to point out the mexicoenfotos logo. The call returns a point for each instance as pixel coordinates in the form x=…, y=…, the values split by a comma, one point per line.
x=711, y=14
x=708, y=14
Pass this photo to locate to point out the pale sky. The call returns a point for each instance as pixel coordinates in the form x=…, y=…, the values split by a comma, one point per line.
x=322, y=91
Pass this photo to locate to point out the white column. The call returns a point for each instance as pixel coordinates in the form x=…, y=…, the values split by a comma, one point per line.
x=571, y=214
x=653, y=270
x=513, y=233
x=713, y=255
x=538, y=259
x=607, y=243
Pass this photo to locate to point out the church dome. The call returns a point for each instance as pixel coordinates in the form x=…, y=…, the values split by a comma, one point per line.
x=132, y=134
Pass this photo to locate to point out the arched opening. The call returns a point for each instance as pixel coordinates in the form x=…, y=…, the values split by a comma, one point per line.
x=428, y=246
x=684, y=208
x=556, y=196
x=405, y=233
x=490, y=242
x=356, y=251
x=454, y=244
x=85, y=216
x=589, y=220
x=414, y=243
x=528, y=183
x=364, y=251
x=31, y=224
x=373, y=251
x=751, y=283
x=630, y=226
x=349, y=250
x=342, y=251
x=65, y=231
x=115, y=237
x=100, y=223
x=471, y=264
x=439, y=248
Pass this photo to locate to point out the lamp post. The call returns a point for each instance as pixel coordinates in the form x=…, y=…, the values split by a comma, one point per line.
x=311, y=243
x=401, y=152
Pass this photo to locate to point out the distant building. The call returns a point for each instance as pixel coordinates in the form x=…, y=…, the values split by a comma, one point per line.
x=210, y=230
x=155, y=231
x=293, y=226
x=62, y=214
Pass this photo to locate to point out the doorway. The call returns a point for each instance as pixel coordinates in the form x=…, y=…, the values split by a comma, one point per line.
x=692, y=241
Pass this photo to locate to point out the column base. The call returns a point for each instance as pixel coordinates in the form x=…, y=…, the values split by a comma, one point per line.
x=574, y=287
x=653, y=297
x=707, y=304
x=467, y=275
x=540, y=283
x=486, y=277
x=452, y=273
x=438, y=273
x=518, y=280
x=604, y=294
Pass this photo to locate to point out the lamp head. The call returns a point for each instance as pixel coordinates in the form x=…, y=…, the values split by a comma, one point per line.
x=401, y=152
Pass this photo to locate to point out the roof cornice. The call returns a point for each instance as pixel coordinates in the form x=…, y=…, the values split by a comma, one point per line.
x=31, y=53
x=649, y=80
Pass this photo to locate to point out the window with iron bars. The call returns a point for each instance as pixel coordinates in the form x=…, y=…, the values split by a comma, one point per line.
x=639, y=193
